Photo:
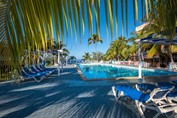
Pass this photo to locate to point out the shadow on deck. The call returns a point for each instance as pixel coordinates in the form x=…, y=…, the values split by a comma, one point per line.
x=65, y=96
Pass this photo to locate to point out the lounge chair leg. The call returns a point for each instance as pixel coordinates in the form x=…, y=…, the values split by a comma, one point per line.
x=117, y=96
x=38, y=80
x=139, y=108
x=114, y=92
x=157, y=115
x=172, y=115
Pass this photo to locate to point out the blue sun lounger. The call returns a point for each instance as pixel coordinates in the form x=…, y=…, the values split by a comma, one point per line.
x=33, y=69
x=167, y=84
x=145, y=87
x=38, y=77
x=151, y=100
x=174, y=81
x=170, y=97
x=44, y=69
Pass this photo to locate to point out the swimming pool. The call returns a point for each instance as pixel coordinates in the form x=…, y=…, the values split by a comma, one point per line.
x=95, y=71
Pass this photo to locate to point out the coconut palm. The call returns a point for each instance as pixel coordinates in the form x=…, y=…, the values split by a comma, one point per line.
x=61, y=46
x=164, y=21
x=125, y=52
x=87, y=56
x=71, y=58
x=156, y=28
x=133, y=46
x=95, y=39
x=54, y=46
x=97, y=56
x=116, y=49
x=109, y=55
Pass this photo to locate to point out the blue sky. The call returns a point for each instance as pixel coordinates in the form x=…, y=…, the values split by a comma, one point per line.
x=78, y=47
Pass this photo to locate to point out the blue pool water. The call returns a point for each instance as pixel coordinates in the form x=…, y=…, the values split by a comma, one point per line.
x=108, y=71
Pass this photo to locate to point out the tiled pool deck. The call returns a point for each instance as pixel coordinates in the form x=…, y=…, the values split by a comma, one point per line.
x=64, y=96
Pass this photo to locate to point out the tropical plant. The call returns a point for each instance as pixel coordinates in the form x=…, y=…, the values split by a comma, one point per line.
x=97, y=56
x=109, y=55
x=87, y=56
x=116, y=48
x=72, y=58
x=49, y=60
x=163, y=24
x=133, y=46
x=95, y=39
x=53, y=47
x=155, y=30
x=162, y=17
x=61, y=46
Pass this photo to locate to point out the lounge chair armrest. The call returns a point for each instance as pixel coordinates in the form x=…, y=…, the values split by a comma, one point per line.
x=154, y=95
x=114, y=91
x=145, y=87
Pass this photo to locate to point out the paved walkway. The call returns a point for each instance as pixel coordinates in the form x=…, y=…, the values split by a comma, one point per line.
x=65, y=96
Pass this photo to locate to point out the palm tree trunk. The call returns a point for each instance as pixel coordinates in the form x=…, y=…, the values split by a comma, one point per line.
x=117, y=58
x=171, y=57
x=142, y=56
x=159, y=61
x=96, y=52
x=53, y=59
x=170, y=54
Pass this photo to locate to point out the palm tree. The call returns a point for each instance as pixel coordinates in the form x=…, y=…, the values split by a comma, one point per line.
x=61, y=46
x=125, y=52
x=109, y=55
x=132, y=50
x=116, y=49
x=95, y=39
x=72, y=58
x=97, y=56
x=155, y=27
x=87, y=56
x=55, y=46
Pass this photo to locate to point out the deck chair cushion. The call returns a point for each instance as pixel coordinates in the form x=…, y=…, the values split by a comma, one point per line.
x=146, y=87
x=133, y=93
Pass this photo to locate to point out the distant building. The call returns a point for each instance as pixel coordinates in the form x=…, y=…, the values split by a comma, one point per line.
x=76, y=61
x=139, y=28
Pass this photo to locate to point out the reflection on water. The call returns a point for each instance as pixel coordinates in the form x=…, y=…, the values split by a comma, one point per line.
x=87, y=69
x=104, y=71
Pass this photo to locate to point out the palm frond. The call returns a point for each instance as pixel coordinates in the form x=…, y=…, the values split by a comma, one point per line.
x=122, y=13
x=152, y=51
